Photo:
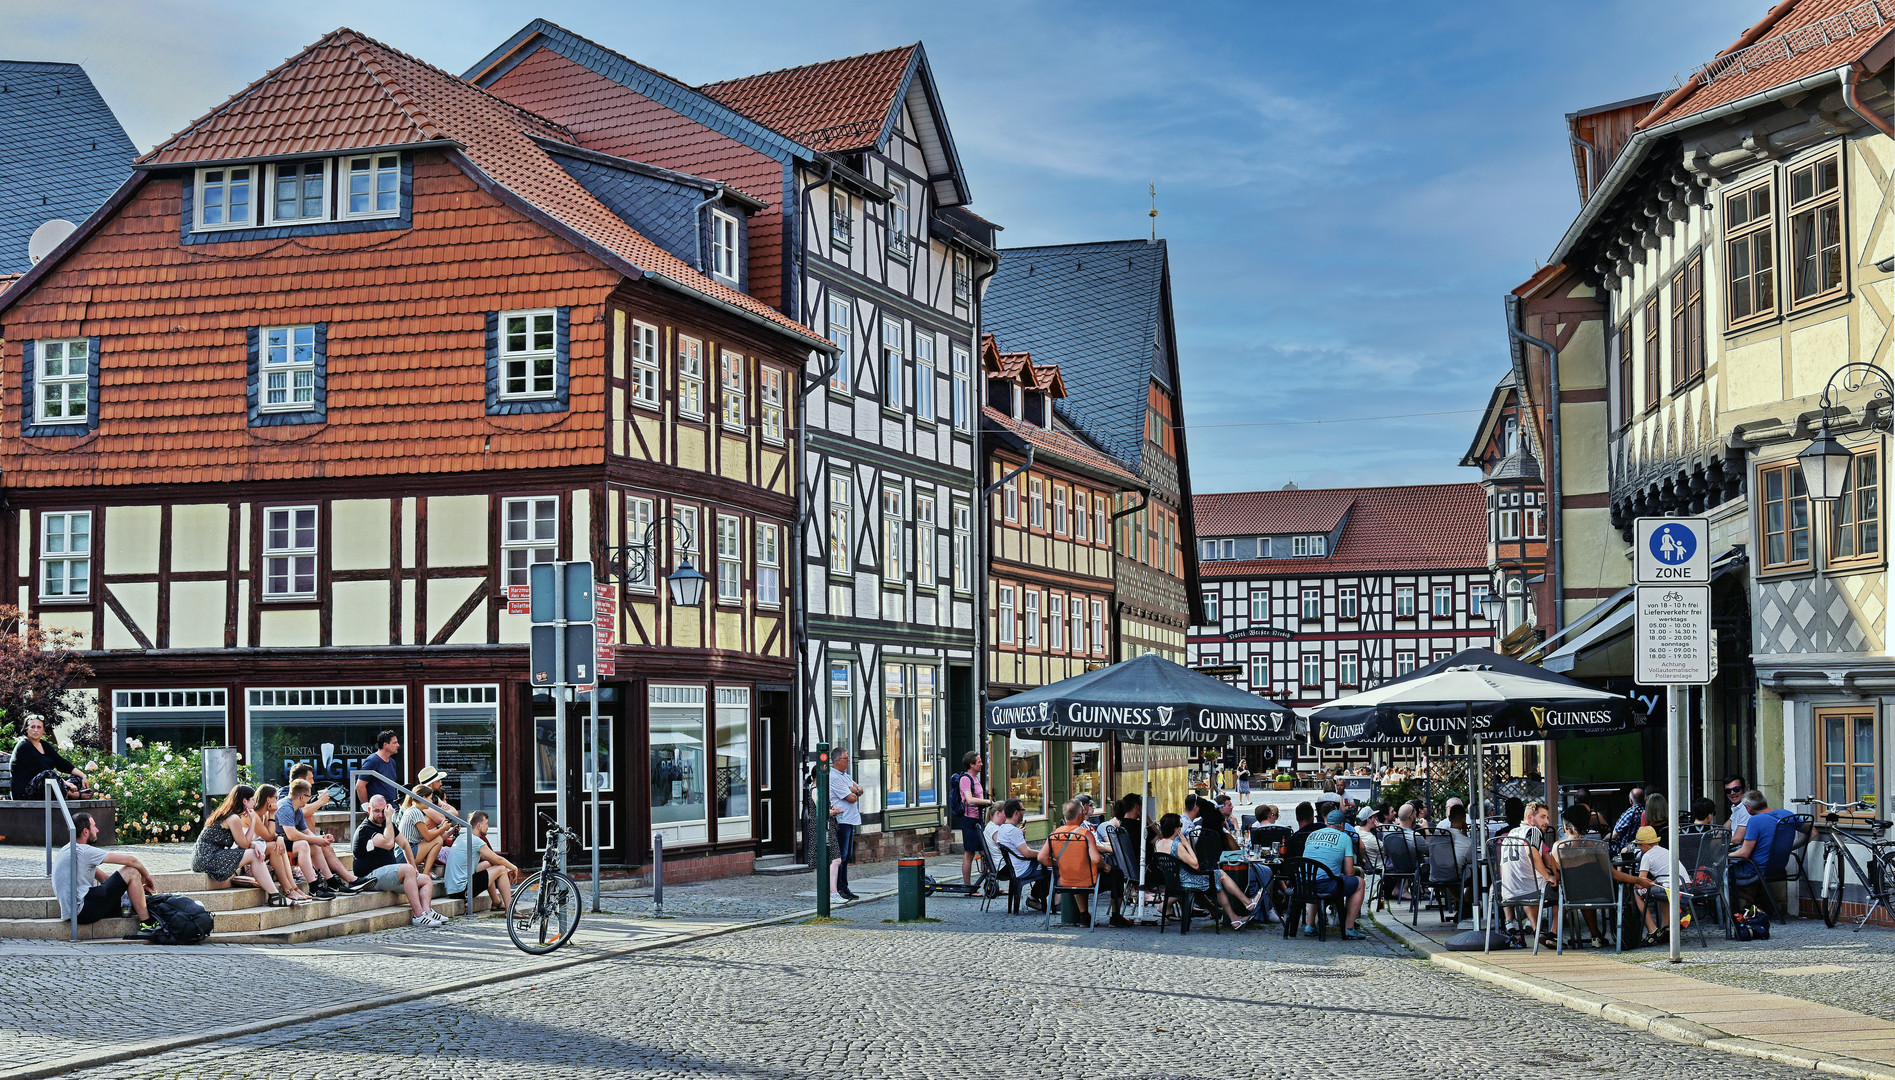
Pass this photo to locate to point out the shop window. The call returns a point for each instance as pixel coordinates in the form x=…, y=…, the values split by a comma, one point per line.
x=1026, y=774
x=909, y=737
x=678, y=758
x=732, y=794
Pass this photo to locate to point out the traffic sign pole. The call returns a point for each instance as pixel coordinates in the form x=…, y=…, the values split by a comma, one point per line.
x=819, y=830
x=1673, y=737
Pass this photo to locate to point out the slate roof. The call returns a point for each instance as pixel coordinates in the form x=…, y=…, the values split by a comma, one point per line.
x=52, y=112
x=1795, y=39
x=349, y=92
x=1061, y=446
x=1420, y=527
x=1093, y=310
x=835, y=106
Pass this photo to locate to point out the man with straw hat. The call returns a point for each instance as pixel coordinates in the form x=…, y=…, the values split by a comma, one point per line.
x=1652, y=889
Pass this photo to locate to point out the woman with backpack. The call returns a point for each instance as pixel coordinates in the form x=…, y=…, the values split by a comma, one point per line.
x=226, y=847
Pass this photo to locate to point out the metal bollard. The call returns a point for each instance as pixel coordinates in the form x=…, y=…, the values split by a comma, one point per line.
x=658, y=873
x=912, y=902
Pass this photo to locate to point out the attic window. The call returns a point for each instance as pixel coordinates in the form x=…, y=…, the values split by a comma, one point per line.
x=366, y=188
x=374, y=183
x=299, y=191
x=225, y=198
x=724, y=251
x=1308, y=547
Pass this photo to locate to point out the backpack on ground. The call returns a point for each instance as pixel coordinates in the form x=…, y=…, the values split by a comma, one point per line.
x=181, y=920
x=1750, y=925
x=956, y=809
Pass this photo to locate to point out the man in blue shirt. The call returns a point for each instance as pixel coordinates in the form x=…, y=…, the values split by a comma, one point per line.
x=1628, y=823
x=382, y=761
x=1751, y=858
x=1335, y=849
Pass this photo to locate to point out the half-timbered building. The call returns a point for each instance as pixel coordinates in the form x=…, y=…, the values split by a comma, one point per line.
x=865, y=235
x=1050, y=574
x=290, y=416
x=1314, y=593
x=1505, y=451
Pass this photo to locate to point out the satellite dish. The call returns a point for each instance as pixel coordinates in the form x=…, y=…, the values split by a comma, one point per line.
x=47, y=237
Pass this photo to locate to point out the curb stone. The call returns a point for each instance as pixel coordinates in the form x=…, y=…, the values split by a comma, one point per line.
x=1630, y=1014
x=153, y=1047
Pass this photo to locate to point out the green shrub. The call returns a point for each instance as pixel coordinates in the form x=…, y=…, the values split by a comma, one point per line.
x=158, y=791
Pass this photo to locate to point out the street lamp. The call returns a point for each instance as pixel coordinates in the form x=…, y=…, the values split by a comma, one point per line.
x=632, y=562
x=1492, y=608
x=1826, y=461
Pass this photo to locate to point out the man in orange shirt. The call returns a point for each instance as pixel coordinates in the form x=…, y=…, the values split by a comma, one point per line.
x=1073, y=853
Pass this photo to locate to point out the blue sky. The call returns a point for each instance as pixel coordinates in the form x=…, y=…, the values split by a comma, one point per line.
x=1348, y=189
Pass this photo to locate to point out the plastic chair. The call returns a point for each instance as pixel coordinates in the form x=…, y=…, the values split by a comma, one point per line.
x=1441, y=871
x=1310, y=885
x=1585, y=883
x=1704, y=860
x=1057, y=890
x=1172, y=870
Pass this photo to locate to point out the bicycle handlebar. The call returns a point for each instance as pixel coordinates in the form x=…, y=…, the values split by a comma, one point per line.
x=1813, y=801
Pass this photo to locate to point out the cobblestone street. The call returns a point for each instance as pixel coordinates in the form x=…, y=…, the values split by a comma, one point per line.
x=865, y=997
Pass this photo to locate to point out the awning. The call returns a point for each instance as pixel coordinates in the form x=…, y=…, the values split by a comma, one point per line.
x=1601, y=635
x=1599, y=651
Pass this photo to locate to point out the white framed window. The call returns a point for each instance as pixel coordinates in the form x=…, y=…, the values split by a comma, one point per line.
x=963, y=279
x=1476, y=595
x=1036, y=503
x=1348, y=603
x=226, y=198
x=770, y=392
x=1100, y=518
x=65, y=556
x=1312, y=604
x=289, y=368
x=1030, y=616
x=1509, y=527
x=639, y=514
x=1535, y=523
x=687, y=543
x=1259, y=607
x=1312, y=669
x=1348, y=668
x=899, y=246
x=1010, y=499
x=1055, y=621
x=644, y=365
x=1443, y=601
x=724, y=248
x=730, y=559
x=1005, y=617
x=690, y=377
x=1404, y=662
x=1059, y=510
x=891, y=363
x=289, y=553
x=1098, y=626
x=1208, y=604
x=1299, y=546
x=893, y=562
x=374, y=185
x=1259, y=672
x=924, y=377
x=1079, y=625
x=1443, y=654
x=730, y=368
x=925, y=522
x=1404, y=601
x=769, y=565
x=1227, y=549
x=529, y=533
x=62, y=375
x=528, y=353
x=1082, y=515
x=841, y=221
x=963, y=389
x=841, y=335
x=963, y=548
x=1263, y=547
x=299, y=191
x=840, y=519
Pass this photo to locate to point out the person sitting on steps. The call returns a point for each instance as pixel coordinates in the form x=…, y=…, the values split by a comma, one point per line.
x=315, y=852
x=36, y=759
x=379, y=860
x=226, y=848
x=99, y=890
x=262, y=824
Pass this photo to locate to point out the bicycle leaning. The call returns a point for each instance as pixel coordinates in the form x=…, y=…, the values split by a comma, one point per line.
x=545, y=910
x=1834, y=860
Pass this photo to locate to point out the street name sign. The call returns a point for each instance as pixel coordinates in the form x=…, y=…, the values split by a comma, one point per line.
x=1673, y=635
x=1671, y=551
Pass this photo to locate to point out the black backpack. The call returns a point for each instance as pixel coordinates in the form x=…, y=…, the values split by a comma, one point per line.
x=181, y=920
x=955, y=807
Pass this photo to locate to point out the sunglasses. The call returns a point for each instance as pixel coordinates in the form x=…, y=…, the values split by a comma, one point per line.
x=1733, y=791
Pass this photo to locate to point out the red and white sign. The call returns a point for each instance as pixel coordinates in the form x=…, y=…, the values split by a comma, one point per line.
x=605, y=627
x=519, y=599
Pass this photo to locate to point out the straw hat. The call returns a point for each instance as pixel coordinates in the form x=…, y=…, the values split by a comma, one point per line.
x=1645, y=835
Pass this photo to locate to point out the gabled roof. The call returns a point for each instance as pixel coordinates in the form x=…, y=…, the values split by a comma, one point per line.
x=53, y=113
x=1097, y=311
x=1063, y=448
x=349, y=92
x=1490, y=418
x=1020, y=367
x=1796, y=38
x=1272, y=513
x=1424, y=527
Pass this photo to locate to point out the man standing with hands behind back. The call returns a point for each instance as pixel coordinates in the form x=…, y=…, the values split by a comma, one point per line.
x=845, y=805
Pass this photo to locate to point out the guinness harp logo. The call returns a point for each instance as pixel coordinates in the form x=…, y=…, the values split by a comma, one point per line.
x=1407, y=721
x=1322, y=731
x=1539, y=715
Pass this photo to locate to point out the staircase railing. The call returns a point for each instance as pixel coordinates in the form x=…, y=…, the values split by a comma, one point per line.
x=467, y=830
x=55, y=793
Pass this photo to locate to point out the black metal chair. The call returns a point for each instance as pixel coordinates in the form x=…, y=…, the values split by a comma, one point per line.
x=1172, y=870
x=1001, y=869
x=1585, y=884
x=1400, y=864
x=1440, y=871
x=1792, y=870
x=1312, y=885
x=1704, y=861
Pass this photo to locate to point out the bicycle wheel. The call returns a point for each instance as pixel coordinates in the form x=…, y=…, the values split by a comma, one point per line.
x=1829, y=900
x=544, y=913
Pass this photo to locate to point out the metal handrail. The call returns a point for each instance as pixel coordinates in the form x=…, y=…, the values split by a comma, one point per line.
x=467, y=830
x=53, y=786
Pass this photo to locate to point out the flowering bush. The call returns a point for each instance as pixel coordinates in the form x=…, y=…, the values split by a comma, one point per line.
x=156, y=789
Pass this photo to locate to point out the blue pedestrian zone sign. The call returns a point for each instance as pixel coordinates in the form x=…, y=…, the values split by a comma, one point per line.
x=1671, y=551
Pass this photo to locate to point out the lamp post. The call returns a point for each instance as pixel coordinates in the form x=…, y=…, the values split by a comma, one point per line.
x=1494, y=609
x=1826, y=461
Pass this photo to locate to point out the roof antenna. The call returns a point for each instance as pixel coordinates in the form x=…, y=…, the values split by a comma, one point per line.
x=1153, y=188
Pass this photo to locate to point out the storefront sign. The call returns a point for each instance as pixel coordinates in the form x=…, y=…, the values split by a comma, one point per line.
x=605, y=621
x=519, y=599
x=1673, y=639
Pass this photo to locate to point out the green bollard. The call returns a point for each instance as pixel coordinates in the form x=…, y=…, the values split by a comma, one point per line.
x=912, y=901
x=1069, y=909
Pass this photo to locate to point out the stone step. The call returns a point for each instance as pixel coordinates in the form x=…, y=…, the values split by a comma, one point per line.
x=771, y=865
x=388, y=918
x=47, y=907
x=234, y=918
x=178, y=882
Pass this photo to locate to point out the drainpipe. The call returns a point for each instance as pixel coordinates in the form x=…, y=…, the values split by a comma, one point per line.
x=1591, y=155
x=1851, y=79
x=977, y=390
x=1556, y=526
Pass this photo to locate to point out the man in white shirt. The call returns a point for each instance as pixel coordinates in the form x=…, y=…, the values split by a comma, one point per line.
x=1734, y=790
x=1011, y=838
x=98, y=891
x=845, y=805
x=1523, y=866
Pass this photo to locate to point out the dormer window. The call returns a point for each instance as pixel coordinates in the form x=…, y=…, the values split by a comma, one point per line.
x=724, y=249
x=364, y=188
x=299, y=191
x=374, y=182
x=1302, y=547
x=226, y=198
x=1511, y=440
x=1033, y=408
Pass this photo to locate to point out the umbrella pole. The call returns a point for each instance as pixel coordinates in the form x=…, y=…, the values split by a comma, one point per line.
x=1144, y=812
x=1480, y=824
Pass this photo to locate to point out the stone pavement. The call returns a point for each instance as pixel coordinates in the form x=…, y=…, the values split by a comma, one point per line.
x=1787, y=1000
x=980, y=993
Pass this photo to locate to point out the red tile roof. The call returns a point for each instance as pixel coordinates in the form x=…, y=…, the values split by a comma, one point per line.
x=1062, y=445
x=349, y=92
x=1390, y=529
x=834, y=106
x=1796, y=38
